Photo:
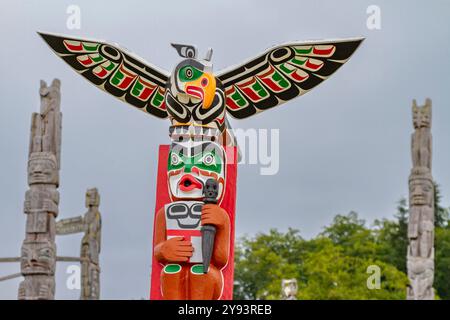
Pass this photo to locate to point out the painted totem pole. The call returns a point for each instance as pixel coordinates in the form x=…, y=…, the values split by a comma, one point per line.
x=194, y=232
x=38, y=256
x=420, y=256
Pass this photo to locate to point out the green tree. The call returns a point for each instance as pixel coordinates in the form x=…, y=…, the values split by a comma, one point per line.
x=392, y=236
x=333, y=275
x=334, y=264
x=442, y=262
x=441, y=214
x=331, y=266
x=261, y=262
x=350, y=233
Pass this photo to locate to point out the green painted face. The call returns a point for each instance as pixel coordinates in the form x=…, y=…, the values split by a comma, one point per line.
x=208, y=161
x=189, y=73
x=191, y=164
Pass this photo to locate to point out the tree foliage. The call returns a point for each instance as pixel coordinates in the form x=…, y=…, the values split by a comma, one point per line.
x=334, y=265
x=331, y=266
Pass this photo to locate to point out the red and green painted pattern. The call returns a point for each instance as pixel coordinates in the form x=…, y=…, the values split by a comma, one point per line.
x=296, y=74
x=89, y=60
x=297, y=68
x=123, y=78
x=158, y=99
x=253, y=89
x=105, y=69
x=235, y=99
x=278, y=75
x=281, y=74
x=273, y=80
x=81, y=46
x=257, y=88
x=310, y=64
x=112, y=69
x=143, y=89
x=323, y=51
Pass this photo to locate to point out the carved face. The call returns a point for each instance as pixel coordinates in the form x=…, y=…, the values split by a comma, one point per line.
x=421, y=116
x=92, y=197
x=194, y=80
x=421, y=191
x=194, y=95
x=191, y=163
x=38, y=258
x=42, y=169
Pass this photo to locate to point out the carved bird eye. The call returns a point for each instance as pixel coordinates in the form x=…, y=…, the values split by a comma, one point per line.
x=188, y=73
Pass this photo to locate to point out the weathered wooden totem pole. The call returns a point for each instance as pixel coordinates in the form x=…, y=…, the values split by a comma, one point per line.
x=38, y=256
x=196, y=187
x=90, y=247
x=90, y=225
x=420, y=256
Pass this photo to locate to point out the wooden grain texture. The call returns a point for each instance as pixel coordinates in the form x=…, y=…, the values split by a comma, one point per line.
x=420, y=254
x=90, y=248
x=38, y=253
x=90, y=224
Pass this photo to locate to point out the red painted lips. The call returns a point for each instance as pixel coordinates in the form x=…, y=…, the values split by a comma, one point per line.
x=195, y=91
x=188, y=183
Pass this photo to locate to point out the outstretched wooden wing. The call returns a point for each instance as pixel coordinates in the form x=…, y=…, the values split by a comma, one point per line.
x=114, y=70
x=282, y=73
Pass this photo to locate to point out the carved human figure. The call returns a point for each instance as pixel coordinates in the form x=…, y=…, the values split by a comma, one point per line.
x=92, y=221
x=38, y=257
x=43, y=169
x=421, y=217
x=90, y=246
x=421, y=139
x=421, y=275
x=37, y=264
x=177, y=231
x=49, y=118
x=42, y=199
x=289, y=289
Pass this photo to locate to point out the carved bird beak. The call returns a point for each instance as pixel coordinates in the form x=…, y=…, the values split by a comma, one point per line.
x=203, y=88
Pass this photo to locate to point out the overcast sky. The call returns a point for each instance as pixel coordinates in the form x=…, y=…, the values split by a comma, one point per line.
x=344, y=146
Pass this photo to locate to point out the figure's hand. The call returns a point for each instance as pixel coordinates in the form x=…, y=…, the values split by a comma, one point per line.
x=174, y=250
x=44, y=292
x=215, y=215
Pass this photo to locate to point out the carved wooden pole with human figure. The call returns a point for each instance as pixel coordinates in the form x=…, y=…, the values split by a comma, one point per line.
x=90, y=224
x=38, y=254
x=420, y=255
x=90, y=248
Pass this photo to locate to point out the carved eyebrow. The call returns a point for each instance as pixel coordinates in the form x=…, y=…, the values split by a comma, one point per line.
x=190, y=62
x=205, y=146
